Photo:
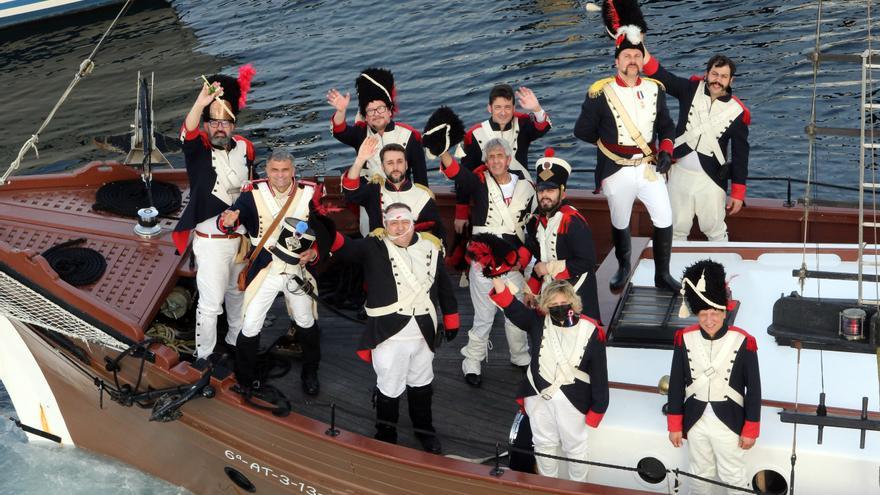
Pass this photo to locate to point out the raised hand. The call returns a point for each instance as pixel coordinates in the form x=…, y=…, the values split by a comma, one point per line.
x=337, y=100
x=368, y=149
x=527, y=100
x=208, y=93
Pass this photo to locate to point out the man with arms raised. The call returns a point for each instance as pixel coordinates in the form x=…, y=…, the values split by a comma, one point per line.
x=625, y=117
x=710, y=119
x=372, y=195
x=218, y=162
x=560, y=239
x=518, y=129
x=502, y=202
x=280, y=266
x=407, y=279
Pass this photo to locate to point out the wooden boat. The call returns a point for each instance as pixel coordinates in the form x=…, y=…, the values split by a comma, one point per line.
x=60, y=343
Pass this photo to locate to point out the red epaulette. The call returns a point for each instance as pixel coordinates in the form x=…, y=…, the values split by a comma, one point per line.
x=600, y=335
x=747, y=115
x=678, y=340
x=469, y=135
x=568, y=212
x=250, y=185
x=751, y=343
x=696, y=78
x=412, y=129
x=361, y=123
x=479, y=172
x=249, y=146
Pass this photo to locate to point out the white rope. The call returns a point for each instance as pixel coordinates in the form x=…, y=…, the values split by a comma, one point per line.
x=85, y=68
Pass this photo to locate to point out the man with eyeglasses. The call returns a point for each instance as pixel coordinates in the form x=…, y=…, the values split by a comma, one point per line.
x=711, y=120
x=374, y=194
x=377, y=104
x=218, y=162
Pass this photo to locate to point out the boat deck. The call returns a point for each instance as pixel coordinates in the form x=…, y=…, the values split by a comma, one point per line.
x=468, y=420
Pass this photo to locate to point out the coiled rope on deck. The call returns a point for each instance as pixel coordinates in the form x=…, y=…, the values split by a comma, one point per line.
x=85, y=68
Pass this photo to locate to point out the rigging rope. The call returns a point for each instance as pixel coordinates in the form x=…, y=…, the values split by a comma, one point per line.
x=85, y=68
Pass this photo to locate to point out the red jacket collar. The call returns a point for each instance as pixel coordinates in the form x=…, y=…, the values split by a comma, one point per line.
x=620, y=82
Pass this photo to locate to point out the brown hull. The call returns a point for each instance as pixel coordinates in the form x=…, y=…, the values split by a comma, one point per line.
x=278, y=455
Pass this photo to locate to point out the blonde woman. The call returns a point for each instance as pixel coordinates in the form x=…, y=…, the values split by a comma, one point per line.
x=565, y=389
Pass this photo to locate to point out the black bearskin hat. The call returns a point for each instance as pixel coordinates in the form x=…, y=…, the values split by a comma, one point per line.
x=443, y=131
x=496, y=255
x=551, y=172
x=624, y=23
x=234, y=94
x=376, y=84
x=703, y=286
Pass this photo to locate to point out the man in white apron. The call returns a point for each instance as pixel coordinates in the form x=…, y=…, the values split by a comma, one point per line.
x=218, y=162
x=711, y=120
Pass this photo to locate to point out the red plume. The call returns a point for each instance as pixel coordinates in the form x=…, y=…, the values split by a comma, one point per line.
x=245, y=74
x=549, y=152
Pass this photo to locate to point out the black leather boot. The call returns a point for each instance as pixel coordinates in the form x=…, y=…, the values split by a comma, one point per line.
x=310, y=340
x=246, y=350
x=622, y=251
x=662, y=254
x=387, y=413
x=419, y=401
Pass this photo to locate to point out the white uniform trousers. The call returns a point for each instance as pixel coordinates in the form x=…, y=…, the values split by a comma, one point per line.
x=478, y=344
x=624, y=186
x=556, y=424
x=403, y=360
x=216, y=280
x=713, y=450
x=692, y=192
x=299, y=304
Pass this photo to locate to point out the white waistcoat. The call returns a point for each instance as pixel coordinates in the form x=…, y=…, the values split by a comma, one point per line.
x=414, y=269
x=415, y=197
x=710, y=362
x=640, y=103
x=502, y=218
x=707, y=121
x=268, y=208
x=232, y=172
x=399, y=135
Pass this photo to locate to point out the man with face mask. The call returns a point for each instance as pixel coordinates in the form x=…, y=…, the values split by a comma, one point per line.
x=377, y=192
x=377, y=105
x=711, y=120
x=218, y=162
x=502, y=202
x=407, y=279
x=627, y=119
x=559, y=237
x=565, y=389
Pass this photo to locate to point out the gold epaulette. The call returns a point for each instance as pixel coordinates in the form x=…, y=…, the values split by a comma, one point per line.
x=655, y=81
x=377, y=179
x=379, y=232
x=425, y=188
x=596, y=88
x=433, y=238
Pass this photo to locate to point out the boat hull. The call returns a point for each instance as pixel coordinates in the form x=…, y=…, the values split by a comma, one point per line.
x=25, y=11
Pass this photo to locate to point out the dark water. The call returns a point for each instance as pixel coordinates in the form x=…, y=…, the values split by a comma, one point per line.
x=441, y=53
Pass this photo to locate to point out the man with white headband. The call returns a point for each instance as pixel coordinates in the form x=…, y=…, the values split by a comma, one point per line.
x=407, y=279
x=715, y=384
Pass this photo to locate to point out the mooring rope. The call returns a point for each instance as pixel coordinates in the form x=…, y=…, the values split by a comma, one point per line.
x=85, y=68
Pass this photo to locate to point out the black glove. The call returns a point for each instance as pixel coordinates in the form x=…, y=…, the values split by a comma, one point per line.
x=664, y=162
x=450, y=333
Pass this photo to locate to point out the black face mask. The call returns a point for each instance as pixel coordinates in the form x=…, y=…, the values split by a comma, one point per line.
x=562, y=315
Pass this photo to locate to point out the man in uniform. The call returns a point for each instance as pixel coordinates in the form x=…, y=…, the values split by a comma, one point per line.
x=407, y=280
x=710, y=119
x=278, y=267
x=377, y=104
x=714, y=385
x=560, y=239
x=218, y=162
x=502, y=202
x=622, y=116
x=374, y=194
x=518, y=129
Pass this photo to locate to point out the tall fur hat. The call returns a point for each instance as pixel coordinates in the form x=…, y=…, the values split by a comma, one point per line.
x=235, y=91
x=497, y=255
x=624, y=23
x=376, y=84
x=443, y=131
x=703, y=286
